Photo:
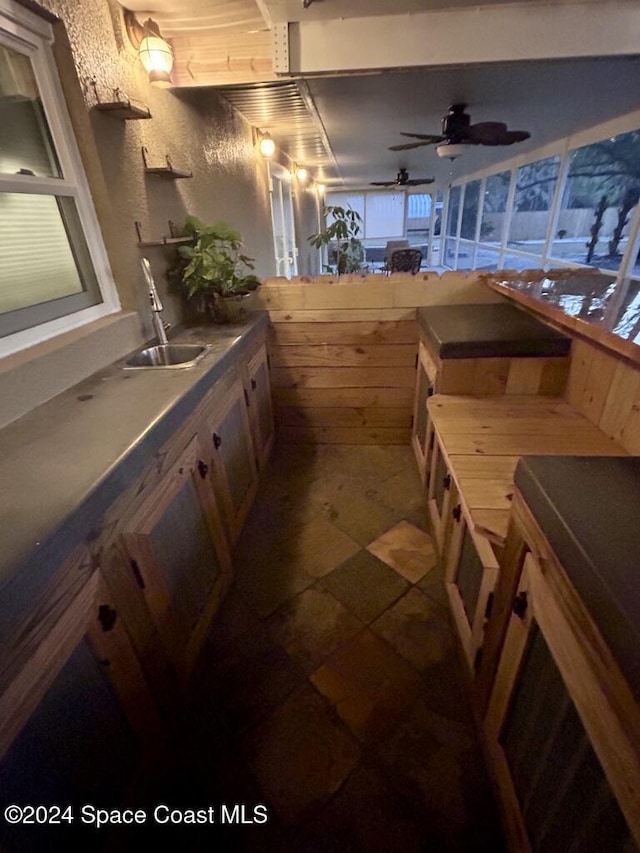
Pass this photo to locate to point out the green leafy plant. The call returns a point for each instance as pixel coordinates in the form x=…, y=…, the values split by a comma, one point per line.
x=212, y=264
x=348, y=252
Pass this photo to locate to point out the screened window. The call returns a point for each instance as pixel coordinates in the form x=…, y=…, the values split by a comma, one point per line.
x=454, y=210
x=535, y=186
x=419, y=207
x=600, y=195
x=470, y=211
x=451, y=243
x=496, y=193
x=47, y=265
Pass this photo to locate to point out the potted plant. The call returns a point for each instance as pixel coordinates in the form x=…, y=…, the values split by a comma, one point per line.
x=348, y=253
x=212, y=271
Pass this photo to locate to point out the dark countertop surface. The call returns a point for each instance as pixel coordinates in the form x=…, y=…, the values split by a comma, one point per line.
x=589, y=510
x=65, y=462
x=489, y=331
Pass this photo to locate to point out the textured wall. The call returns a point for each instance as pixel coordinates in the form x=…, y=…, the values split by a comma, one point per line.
x=197, y=128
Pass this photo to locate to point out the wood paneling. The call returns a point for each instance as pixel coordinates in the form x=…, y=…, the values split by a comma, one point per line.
x=343, y=377
x=343, y=416
x=357, y=333
x=345, y=435
x=343, y=351
x=334, y=397
x=606, y=390
x=320, y=354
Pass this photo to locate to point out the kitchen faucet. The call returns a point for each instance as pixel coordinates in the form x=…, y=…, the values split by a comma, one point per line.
x=156, y=305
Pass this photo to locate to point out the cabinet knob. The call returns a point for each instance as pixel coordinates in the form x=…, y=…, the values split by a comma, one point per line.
x=217, y=441
x=446, y=481
x=203, y=468
x=520, y=604
x=430, y=391
x=456, y=512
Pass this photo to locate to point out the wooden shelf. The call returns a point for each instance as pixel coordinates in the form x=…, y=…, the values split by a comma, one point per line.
x=163, y=240
x=124, y=110
x=121, y=107
x=168, y=172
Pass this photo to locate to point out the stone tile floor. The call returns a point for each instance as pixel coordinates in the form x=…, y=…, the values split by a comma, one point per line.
x=330, y=689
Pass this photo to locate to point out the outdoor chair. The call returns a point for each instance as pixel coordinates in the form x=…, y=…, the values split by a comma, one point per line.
x=405, y=260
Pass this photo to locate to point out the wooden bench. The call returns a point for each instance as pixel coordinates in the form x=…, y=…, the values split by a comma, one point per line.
x=476, y=447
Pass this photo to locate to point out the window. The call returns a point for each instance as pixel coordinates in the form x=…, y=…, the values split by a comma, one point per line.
x=535, y=187
x=50, y=245
x=496, y=192
x=451, y=244
x=284, y=237
x=601, y=192
x=470, y=211
x=382, y=212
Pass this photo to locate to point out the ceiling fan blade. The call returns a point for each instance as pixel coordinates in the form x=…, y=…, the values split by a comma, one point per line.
x=407, y=145
x=382, y=183
x=428, y=137
x=494, y=133
x=418, y=182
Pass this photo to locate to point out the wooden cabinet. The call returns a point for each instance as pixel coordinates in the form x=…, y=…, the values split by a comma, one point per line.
x=178, y=554
x=562, y=727
x=422, y=435
x=226, y=436
x=77, y=720
x=255, y=378
x=470, y=578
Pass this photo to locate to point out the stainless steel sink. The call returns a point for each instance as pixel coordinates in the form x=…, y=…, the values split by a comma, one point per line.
x=167, y=356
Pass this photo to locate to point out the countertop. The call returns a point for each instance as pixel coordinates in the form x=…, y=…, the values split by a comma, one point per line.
x=589, y=510
x=64, y=463
x=488, y=331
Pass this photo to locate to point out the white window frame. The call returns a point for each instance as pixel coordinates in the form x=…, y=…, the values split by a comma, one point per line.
x=279, y=178
x=23, y=30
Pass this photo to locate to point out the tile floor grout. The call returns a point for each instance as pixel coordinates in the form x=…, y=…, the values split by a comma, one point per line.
x=357, y=738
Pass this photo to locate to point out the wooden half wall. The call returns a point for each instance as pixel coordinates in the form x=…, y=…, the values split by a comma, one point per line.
x=343, y=352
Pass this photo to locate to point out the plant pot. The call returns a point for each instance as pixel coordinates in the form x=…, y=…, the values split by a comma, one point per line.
x=227, y=309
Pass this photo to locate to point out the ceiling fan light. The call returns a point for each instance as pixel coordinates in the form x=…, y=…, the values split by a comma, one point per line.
x=451, y=150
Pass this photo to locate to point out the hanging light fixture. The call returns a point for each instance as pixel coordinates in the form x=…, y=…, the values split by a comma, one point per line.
x=302, y=174
x=156, y=54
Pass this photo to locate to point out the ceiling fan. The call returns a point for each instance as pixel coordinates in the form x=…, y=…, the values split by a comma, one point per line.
x=458, y=132
x=403, y=180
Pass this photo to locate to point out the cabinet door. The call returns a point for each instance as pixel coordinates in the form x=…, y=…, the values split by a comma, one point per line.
x=230, y=448
x=441, y=497
x=422, y=437
x=178, y=554
x=258, y=396
x=77, y=722
x=563, y=735
x=470, y=578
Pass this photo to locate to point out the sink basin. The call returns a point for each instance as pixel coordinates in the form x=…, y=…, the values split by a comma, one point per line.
x=166, y=356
